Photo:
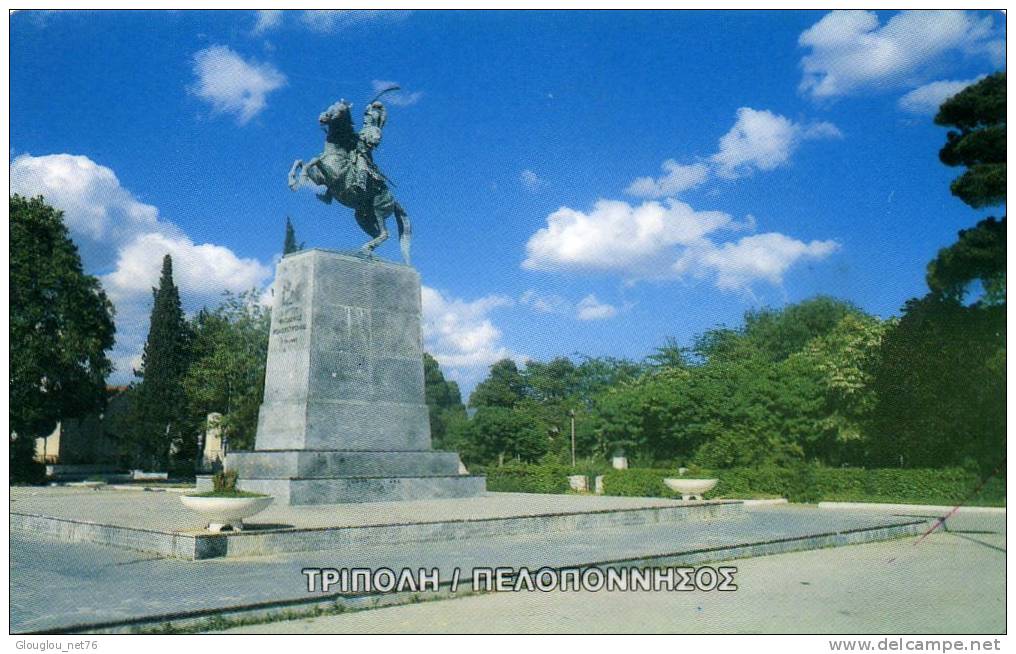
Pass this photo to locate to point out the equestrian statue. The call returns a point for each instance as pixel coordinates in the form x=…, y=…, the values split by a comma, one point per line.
x=347, y=170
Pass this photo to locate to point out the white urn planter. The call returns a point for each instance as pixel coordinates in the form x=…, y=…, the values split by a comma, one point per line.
x=691, y=489
x=224, y=513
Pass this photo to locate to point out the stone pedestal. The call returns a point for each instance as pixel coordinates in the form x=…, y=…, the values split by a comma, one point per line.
x=344, y=417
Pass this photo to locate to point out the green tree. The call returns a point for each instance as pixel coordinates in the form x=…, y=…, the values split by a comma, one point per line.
x=940, y=386
x=227, y=371
x=843, y=361
x=978, y=142
x=773, y=333
x=503, y=387
x=670, y=354
x=444, y=400
x=61, y=326
x=979, y=254
x=786, y=386
x=157, y=420
x=499, y=434
x=289, y=245
x=940, y=383
x=781, y=332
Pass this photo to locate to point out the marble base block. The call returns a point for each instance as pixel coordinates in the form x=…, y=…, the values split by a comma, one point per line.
x=344, y=417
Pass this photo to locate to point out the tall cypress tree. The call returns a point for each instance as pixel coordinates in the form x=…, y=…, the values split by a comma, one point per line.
x=290, y=243
x=159, y=404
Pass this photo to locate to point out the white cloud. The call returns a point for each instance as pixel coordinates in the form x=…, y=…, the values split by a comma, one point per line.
x=738, y=264
x=763, y=140
x=759, y=139
x=100, y=214
x=532, y=181
x=232, y=84
x=928, y=98
x=851, y=51
x=332, y=20
x=460, y=334
x=545, y=303
x=617, y=236
x=399, y=98
x=590, y=308
x=203, y=271
x=677, y=178
x=267, y=19
x=123, y=241
x=653, y=241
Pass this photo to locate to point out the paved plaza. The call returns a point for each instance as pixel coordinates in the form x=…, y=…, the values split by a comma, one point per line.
x=104, y=587
x=950, y=583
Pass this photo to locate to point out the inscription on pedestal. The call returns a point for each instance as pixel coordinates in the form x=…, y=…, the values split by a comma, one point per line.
x=344, y=388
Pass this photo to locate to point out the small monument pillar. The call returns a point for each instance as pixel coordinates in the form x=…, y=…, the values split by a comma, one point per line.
x=213, y=451
x=344, y=417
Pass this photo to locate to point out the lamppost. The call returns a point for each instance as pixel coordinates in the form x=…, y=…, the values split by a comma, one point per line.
x=571, y=414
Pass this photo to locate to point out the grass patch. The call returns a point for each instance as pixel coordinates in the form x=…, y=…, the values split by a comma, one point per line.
x=226, y=493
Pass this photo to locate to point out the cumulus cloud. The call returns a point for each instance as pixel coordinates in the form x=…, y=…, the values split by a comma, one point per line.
x=100, y=214
x=758, y=140
x=231, y=84
x=676, y=179
x=661, y=241
x=616, y=236
x=459, y=333
x=590, y=308
x=737, y=265
x=400, y=98
x=928, y=98
x=850, y=51
x=333, y=20
x=123, y=240
x=763, y=140
x=267, y=19
x=202, y=270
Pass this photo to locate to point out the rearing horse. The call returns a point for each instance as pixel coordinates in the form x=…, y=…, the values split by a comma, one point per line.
x=336, y=170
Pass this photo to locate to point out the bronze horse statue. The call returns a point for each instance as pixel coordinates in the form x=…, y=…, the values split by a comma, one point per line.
x=346, y=169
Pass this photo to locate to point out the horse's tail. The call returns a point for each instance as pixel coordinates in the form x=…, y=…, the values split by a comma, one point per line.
x=405, y=230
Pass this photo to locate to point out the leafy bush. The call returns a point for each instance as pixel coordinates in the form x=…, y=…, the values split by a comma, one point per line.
x=911, y=486
x=811, y=483
x=522, y=478
x=796, y=483
x=24, y=468
x=638, y=482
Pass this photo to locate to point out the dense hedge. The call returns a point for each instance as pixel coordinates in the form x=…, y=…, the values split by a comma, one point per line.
x=813, y=484
x=804, y=483
x=525, y=478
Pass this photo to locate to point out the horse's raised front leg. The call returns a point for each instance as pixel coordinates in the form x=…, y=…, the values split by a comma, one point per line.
x=311, y=173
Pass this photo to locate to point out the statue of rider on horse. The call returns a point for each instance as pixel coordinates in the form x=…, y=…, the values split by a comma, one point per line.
x=347, y=170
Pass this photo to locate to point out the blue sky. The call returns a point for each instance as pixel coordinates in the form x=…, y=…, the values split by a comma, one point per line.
x=579, y=182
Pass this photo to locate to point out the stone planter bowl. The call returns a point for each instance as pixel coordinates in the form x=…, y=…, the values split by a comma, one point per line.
x=225, y=513
x=691, y=489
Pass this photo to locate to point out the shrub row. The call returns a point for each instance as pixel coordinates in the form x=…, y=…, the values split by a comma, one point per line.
x=527, y=478
x=807, y=483
x=804, y=483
